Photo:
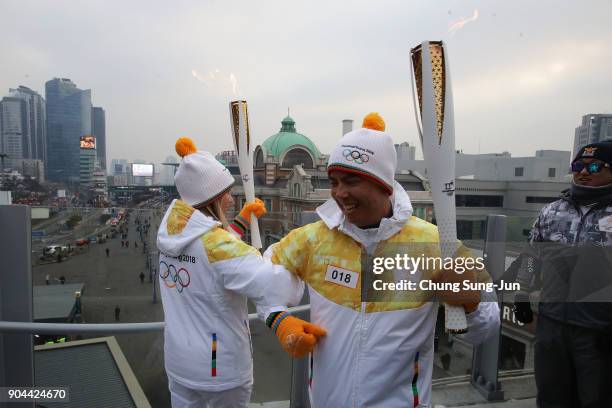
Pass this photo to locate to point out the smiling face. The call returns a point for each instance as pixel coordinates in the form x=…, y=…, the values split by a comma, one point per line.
x=584, y=178
x=363, y=202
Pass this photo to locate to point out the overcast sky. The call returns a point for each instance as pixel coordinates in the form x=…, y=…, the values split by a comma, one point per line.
x=523, y=71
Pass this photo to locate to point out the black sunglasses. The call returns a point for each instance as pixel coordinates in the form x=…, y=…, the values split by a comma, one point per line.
x=593, y=167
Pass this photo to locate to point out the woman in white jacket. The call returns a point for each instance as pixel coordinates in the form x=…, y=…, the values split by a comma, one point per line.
x=206, y=275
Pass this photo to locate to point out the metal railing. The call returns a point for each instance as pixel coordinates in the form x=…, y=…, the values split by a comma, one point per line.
x=99, y=328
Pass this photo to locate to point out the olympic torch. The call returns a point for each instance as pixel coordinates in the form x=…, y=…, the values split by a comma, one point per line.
x=432, y=86
x=241, y=133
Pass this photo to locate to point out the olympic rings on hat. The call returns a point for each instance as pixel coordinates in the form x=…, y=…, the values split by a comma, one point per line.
x=356, y=156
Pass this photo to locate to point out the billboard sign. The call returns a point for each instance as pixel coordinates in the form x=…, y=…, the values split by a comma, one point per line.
x=88, y=142
x=142, y=170
x=40, y=213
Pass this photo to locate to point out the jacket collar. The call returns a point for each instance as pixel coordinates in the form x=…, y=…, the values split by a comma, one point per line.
x=333, y=217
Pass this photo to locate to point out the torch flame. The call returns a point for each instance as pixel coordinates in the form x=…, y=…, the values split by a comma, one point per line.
x=234, y=82
x=197, y=76
x=457, y=25
x=216, y=74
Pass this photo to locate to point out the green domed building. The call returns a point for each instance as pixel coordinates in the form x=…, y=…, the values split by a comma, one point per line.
x=277, y=157
x=288, y=148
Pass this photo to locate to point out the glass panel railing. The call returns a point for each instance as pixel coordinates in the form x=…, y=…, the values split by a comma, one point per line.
x=517, y=338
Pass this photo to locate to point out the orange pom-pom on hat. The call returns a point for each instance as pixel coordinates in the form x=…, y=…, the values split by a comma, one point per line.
x=185, y=146
x=374, y=121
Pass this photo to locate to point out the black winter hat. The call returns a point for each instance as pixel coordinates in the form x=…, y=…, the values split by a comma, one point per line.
x=600, y=150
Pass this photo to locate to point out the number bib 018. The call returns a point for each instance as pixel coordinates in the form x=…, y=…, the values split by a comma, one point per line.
x=342, y=276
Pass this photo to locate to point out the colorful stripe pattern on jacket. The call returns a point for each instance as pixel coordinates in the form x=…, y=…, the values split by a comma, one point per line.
x=214, y=355
x=415, y=378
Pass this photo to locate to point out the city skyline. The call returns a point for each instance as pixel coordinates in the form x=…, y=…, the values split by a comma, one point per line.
x=98, y=117
x=404, y=149
x=523, y=74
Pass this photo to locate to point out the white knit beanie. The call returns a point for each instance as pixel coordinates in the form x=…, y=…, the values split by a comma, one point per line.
x=200, y=178
x=368, y=151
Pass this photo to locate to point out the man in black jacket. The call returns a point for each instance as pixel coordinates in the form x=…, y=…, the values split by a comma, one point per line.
x=572, y=244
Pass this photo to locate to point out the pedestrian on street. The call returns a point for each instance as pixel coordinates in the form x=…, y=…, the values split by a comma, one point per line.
x=107, y=252
x=135, y=244
x=117, y=313
x=142, y=276
x=47, y=279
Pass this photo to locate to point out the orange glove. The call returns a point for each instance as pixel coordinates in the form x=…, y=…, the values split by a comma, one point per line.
x=256, y=207
x=243, y=219
x=469, y=299
x=297, y=337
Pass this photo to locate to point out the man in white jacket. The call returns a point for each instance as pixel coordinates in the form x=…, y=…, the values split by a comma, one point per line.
x=379, y=348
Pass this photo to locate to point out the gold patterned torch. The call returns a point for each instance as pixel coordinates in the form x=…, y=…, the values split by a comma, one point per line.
x=241, y=133
x=435, y=122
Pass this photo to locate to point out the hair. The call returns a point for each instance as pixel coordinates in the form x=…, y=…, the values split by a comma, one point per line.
x=215, y=210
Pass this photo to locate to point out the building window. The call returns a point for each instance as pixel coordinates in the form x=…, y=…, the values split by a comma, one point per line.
x=464, y=229
x=268, y=204
x=552, y=172
x=472, y=200
x=259, y=159
x=540, y=200
x=296, y=190
x=298, y=156
x=518, y=171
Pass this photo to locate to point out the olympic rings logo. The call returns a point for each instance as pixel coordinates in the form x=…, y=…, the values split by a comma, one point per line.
x=173, y=278
x=354, y=155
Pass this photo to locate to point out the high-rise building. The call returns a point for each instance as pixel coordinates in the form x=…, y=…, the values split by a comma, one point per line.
x=98, y=129
x=100, y=188
x=595, y=127
x=35, y=137
x=87, y=164
x=13, y=131
x=119, y=169
x=31, y=167
x=68, y=118
x=167, y=171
